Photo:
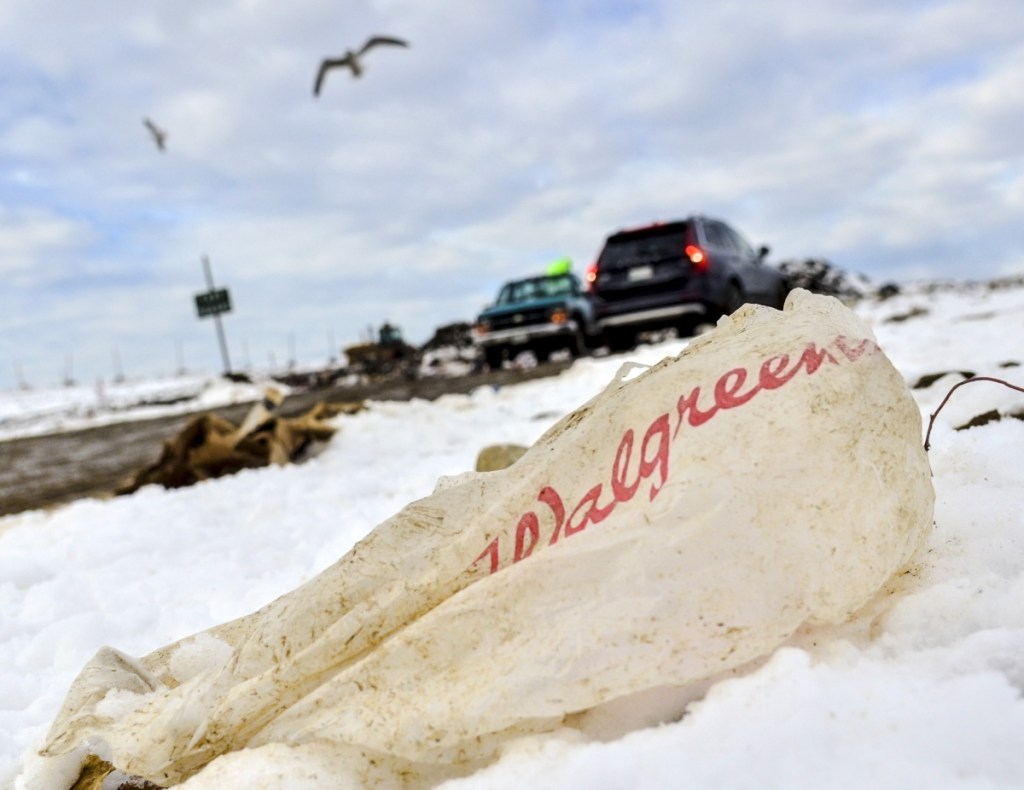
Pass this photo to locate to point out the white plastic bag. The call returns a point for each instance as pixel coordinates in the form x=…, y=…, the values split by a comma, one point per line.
x=679, y=524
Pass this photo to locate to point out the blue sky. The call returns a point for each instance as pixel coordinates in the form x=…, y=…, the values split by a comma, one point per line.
x=884, y=137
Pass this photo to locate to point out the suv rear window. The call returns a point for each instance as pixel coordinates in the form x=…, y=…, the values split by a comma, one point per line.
x=644, y=246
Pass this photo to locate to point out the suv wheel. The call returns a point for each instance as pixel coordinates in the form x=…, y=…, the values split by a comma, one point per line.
x=780, y=298
x=495, y=357
x=620, y=340
x=687, y=327
x=734, y=298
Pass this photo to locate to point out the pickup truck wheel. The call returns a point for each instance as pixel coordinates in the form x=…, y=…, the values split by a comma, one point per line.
x=577, y=344
x=687, y=326
x=494, y=357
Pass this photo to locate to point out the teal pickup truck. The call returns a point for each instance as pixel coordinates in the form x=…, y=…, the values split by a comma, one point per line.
x=540, y=314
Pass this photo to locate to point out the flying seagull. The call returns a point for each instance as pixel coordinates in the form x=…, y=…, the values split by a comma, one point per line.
x=159, y=135
x=351, y=59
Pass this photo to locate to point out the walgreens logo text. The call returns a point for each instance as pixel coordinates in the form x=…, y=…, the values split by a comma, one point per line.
x=624, y=479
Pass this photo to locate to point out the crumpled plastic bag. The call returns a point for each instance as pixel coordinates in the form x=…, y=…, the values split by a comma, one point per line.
x=683, y=522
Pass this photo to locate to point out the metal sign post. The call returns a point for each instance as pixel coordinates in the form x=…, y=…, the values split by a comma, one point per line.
x=214, y=302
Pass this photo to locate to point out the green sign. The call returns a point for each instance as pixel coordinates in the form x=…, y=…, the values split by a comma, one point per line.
x=213, y=302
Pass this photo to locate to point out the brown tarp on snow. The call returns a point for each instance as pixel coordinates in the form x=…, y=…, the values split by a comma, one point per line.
x=211, y=446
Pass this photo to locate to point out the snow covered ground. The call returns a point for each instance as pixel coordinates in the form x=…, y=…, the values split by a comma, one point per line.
x=44, y=410
x=921, y=689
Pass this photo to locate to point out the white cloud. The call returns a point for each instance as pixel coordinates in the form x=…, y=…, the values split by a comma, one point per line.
x=504, y=136
x=28, y=238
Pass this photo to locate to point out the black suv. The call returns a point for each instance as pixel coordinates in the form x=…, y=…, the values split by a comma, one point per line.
x=539, y=314
x=677, y=274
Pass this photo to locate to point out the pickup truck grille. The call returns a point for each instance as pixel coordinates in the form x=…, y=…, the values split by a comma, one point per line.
x=519, y=318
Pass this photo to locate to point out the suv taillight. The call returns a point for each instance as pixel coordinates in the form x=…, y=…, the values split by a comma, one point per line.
x=697, y=257
x=590, y=276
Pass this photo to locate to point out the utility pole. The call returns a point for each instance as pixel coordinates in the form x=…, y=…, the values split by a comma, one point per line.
x=118, y=370
x=19, y=375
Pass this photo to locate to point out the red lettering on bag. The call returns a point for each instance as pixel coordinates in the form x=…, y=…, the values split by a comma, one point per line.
x=527, y=525
x=492, y=550
x=594, y=514
x=659, y=462
x=686, y=406
x=726, y=391
x=813, y=357
x=655, y=446
x=550, y=497
x=771, y=376
x=622, y=491
x=854, y=353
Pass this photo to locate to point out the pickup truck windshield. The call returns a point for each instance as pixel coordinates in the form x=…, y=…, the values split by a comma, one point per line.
x=537, y=288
